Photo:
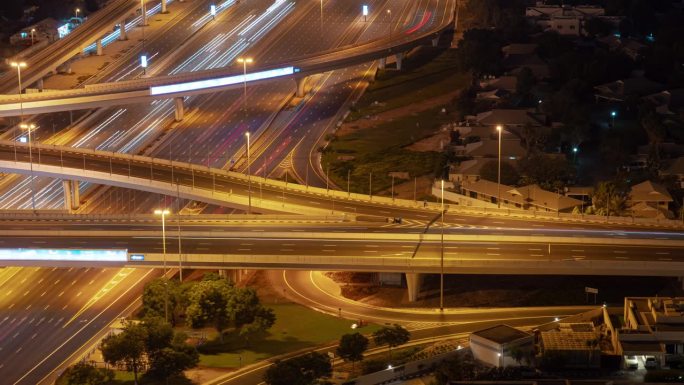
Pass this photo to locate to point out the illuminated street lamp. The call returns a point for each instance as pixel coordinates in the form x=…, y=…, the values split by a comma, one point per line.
x=574, y=153
x=212, y=11
x=364, y=11
x=77, y=11
x=613, y=114
x=499, y=128
x=244, y=62
x=29, y=128
x=33, y=32
x=249, y=178
x=163, y=214
x=389, y=13
x=441, y=259
x=143, y=63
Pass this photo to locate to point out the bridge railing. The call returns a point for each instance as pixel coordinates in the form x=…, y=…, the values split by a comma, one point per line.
x=342, y=196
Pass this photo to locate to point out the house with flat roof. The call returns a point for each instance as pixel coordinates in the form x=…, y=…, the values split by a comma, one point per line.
x=577, y=343
x=649, y=200
x=653, y=326
x=497, y=345
x=564, y=19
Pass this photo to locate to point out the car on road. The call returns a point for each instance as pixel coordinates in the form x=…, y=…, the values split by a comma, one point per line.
x=631, y=362
x=651, y=363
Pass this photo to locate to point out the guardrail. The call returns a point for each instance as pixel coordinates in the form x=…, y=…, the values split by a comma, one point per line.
x=131, y=91
x=339, y=196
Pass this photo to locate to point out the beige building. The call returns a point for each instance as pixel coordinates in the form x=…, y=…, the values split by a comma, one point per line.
x=649, y=200
x=530, y=197
x=576, y=343
x=564, y=19
x=652, y=327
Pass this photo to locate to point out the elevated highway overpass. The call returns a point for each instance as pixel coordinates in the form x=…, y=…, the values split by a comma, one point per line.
x=335, y=243
x=92, y=30
x=232, y=189
x=193, y=83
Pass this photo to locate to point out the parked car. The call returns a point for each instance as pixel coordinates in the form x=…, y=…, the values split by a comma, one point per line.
x=631, y=362
x=651, y=363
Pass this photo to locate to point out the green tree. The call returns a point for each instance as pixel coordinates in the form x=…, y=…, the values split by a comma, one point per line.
x=158, y=335
x=392, y=336
x=208, y=304
x=126, y=349
x=490, y=172
x=155, y=295
x=301, y=370
x=86, y=373
x=549, y=172
x=608, y=199
x=173, y=360
x=352, y=347
x=263, y=320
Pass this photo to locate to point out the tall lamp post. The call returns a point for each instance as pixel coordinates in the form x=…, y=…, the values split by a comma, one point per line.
x=389, y=13
x=77, y=11
x=33, y=32
x=29, y=128
x=163, y=214
x=499, y=128
x=441, y=259
x=244, y=61
x=249, y=177
x=613, y=114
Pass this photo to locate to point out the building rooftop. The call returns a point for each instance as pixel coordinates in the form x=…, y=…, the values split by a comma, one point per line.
x=570, y=337
x=649, y=192
x=502, y=334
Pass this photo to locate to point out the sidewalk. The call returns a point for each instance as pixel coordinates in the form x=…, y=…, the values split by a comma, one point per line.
x=88, y=65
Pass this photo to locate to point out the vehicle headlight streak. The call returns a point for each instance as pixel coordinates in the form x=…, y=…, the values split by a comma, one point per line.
x=135, y=136
x=112, y=36
x=209, y=17
x=220, y=82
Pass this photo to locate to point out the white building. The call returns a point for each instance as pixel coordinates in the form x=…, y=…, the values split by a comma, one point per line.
x=564, y=19
x=495, y=345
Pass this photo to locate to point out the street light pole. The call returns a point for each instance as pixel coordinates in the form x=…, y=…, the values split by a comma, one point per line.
x=29, y=128
x=33, y=31
x=77, y=11
x=249, y=177
x=244, y=62
x=389, y=12
x=441, y=259
x=498, y=184
x=163, y=214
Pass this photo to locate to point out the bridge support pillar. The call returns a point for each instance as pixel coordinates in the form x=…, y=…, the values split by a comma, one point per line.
x=75, y=195
x=66, y=184
x=399, y=57
x=40, y=84
x=435, y=41
x=163, y=7
x=180, y=108
x=122, y=30
x=232, y=275
x=413, y=283
x=98, y=44
x=301, y=86
x=382, y=63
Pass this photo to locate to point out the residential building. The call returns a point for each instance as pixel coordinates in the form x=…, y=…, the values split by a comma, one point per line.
x=471, y=170
x=45, y=29
x=669, y=102
x=650, y=200
x=653, y=326
x=496, y=345
x=510, y=118
x=564, y=19
x=676, y=170
x=620, y=90
x=530, y=197
x=577, y=343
